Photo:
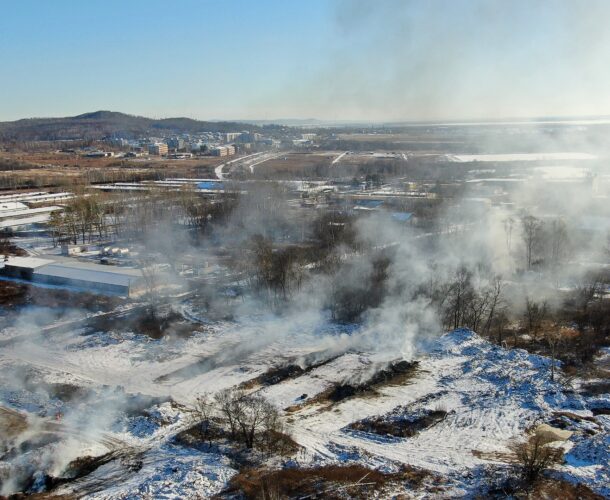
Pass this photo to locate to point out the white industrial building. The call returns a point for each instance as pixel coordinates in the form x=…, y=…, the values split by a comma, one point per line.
x=35, y=197
x=69, y=273
x=9, y=207
x=16, y=216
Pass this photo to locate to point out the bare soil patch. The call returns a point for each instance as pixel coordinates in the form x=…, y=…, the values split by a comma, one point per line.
x=400, y=427
x=397, y=373
x=140, y=321
x=276, y=375
x=333, y=482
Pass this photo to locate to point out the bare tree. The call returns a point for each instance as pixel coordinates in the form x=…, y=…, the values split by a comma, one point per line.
x=535, y=313
x=226, y=402
x=151, y=278
x=494, y=293
x=203, y=412
x=531, y=236
x=558, y=242
x=553, y=338
x=509, y=224
x=458, y=297
x=499, y=324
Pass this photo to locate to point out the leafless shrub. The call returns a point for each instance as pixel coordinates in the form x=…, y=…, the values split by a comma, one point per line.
x=535, y=456
x=535, y=313
x=203, y=412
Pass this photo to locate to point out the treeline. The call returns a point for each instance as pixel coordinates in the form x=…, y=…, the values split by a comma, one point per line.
x=89, y=218
x=33, y=177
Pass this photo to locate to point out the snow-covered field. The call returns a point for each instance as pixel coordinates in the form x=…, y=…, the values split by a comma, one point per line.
x=491, y=396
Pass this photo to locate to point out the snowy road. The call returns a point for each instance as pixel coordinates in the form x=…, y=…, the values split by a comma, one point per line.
x=219, y=170
x=338, y=158
x=249, y=161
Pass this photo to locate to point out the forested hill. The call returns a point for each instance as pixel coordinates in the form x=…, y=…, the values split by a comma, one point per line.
x=101, y=124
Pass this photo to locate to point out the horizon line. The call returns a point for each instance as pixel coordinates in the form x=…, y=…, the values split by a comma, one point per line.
x=354, y=122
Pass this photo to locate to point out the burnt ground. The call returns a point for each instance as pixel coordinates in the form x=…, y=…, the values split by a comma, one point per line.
x=139, y=320
x=331, y=481
x=16, y=297
x=197, y=368
x=12, y=423
x=14, y=294
x=402, y=427
x=278, y=374
x=396, y=373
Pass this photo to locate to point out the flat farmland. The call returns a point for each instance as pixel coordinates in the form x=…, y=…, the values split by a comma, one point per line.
x=296, y=165
x=405, y=138
x=45, y=159
x=432, y=143
x=332, y=164
x=54, y=169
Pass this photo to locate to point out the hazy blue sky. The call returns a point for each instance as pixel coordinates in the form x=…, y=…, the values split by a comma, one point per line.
x=329, y=59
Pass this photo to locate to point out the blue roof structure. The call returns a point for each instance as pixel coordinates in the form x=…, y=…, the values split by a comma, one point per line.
x=369, y=203
x=401, y=216
x=210, y=185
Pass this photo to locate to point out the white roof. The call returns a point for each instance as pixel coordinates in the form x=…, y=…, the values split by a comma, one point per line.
x=46, y=197
x=29, y=262
x=95, y=273
x=28, y=211
x=24, y=221
x=18, y=196
x=12, y=205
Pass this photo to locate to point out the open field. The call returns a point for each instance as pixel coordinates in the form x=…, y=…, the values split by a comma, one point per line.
x=295, y=165
x=53, y=169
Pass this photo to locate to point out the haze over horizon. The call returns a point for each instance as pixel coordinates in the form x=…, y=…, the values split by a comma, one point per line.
x=328, y=60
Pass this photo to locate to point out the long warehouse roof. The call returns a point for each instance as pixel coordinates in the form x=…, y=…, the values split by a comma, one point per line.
x=30, y=211
x=24, y=221
x=95, y=273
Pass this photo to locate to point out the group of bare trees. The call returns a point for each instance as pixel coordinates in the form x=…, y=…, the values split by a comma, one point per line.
x=90, y=217
x=273, y=272
x=83, y=219
x=245, y=418
x=534, y=456
x=464, y=304
x=546, y=243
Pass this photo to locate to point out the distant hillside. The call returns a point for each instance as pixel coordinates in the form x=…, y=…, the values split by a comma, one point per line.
x=100, y=124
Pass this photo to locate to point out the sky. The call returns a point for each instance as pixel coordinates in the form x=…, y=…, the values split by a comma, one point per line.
x=363, y=60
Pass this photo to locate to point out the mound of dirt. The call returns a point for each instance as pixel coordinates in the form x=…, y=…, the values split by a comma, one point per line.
x=407, y=426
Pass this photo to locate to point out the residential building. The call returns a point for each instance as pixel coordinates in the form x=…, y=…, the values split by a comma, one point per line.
x=158, y=149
